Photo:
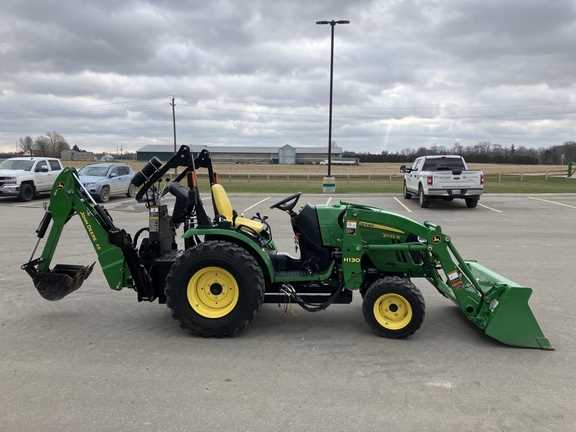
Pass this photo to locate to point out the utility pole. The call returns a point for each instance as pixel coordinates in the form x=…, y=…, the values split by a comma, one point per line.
x=332, y=186
x=173, y=105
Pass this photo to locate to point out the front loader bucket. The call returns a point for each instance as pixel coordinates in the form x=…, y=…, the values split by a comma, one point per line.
x=505, y=314
x=62, y=280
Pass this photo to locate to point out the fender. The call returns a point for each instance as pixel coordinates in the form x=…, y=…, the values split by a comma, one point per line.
x=236, y=237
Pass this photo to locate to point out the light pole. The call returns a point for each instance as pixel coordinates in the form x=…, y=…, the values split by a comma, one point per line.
x=332, y=24
x=173, y=105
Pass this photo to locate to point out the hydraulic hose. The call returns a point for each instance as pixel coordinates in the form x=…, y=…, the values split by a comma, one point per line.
x=289, y=290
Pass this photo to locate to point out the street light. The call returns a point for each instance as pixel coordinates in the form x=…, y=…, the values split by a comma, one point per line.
x=332, y=24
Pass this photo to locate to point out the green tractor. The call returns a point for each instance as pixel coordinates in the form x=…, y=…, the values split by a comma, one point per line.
x=230, y=265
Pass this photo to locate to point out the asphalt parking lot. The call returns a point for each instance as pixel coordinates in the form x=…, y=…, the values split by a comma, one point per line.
x=99, y=361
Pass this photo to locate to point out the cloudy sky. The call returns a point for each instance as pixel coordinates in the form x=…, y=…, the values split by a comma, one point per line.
x=407, y=72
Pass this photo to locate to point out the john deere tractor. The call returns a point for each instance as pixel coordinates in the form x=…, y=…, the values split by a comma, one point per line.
x=229, y=265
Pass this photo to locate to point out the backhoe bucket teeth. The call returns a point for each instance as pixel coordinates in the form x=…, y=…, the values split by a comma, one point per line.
x=504, y=313
x=62, y=280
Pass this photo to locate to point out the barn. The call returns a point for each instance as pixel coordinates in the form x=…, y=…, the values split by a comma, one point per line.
x=286, y=154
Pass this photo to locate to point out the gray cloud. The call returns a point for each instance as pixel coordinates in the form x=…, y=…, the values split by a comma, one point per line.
x=407, y=72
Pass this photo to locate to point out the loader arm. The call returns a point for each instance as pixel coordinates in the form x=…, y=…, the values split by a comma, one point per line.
x=113, y=246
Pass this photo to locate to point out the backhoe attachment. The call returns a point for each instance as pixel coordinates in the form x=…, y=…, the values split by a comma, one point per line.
x=113, y=246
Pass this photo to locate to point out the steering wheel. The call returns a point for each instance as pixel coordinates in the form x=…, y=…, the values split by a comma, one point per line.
x=288, y=203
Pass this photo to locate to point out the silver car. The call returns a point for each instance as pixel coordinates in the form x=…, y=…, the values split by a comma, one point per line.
x=104, y=180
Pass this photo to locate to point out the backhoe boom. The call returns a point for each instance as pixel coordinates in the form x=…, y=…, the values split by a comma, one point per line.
x=113, y=246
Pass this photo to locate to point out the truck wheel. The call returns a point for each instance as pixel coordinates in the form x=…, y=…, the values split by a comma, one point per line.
x=423, y=200
x=27, y=192
x=104, y=194
x=393, y=307
x=214, y=288
x=472, y=202
x=405, y=191
x=131, y=191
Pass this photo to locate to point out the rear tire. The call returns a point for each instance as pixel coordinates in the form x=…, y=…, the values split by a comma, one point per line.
x=104, y=194
x=27, y=192
x=393, y=307
x=214, y=289
x=472, y=202
x=423, y=200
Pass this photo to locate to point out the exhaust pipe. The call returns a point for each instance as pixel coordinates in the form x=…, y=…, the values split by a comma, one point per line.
x=57, y=283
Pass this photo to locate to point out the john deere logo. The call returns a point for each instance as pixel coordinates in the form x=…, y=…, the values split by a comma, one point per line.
x=436, y=239
x=60, y=185
x=351, y=259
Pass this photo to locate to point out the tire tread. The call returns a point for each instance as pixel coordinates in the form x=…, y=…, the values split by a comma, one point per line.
x=180, y=267
x=398, y=284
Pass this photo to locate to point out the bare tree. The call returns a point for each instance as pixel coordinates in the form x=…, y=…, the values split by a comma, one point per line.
x=50, y=145
x=26, y=144
x=57, y=144
x=41, y=146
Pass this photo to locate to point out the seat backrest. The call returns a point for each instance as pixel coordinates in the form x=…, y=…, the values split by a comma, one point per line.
x=222, y=202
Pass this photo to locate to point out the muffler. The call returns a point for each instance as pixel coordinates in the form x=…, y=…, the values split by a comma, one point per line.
x=57, y=283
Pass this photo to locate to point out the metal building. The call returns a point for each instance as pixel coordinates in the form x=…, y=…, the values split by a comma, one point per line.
x=286, y=154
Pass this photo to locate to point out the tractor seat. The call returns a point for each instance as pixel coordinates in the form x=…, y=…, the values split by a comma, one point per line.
x=224, y=209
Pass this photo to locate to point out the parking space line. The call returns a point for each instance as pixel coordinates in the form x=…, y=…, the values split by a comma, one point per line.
x=490, y=208
x=553, y=202
x=117, y=203
x=29, y=205
x=403, y=205
x=255, y=204
x=328, y=200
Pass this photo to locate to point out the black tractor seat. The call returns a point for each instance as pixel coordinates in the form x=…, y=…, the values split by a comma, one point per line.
x=313, y=255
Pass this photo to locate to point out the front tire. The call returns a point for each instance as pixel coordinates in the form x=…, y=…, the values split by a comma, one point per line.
x=405, y=191
x=393, y=307
x=423, y=200
x=104, y=194
x=27, y=192
x=214, y=289
x=131, y=191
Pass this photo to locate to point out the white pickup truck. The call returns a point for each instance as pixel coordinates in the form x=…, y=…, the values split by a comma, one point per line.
x=26, y=177
x=445, y=177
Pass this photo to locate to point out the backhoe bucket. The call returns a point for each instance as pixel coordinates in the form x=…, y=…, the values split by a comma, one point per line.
x=62, y=280
x=505, y=314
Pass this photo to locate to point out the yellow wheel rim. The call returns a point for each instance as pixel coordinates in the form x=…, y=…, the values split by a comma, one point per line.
x=213, y=292
x=392, y=311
